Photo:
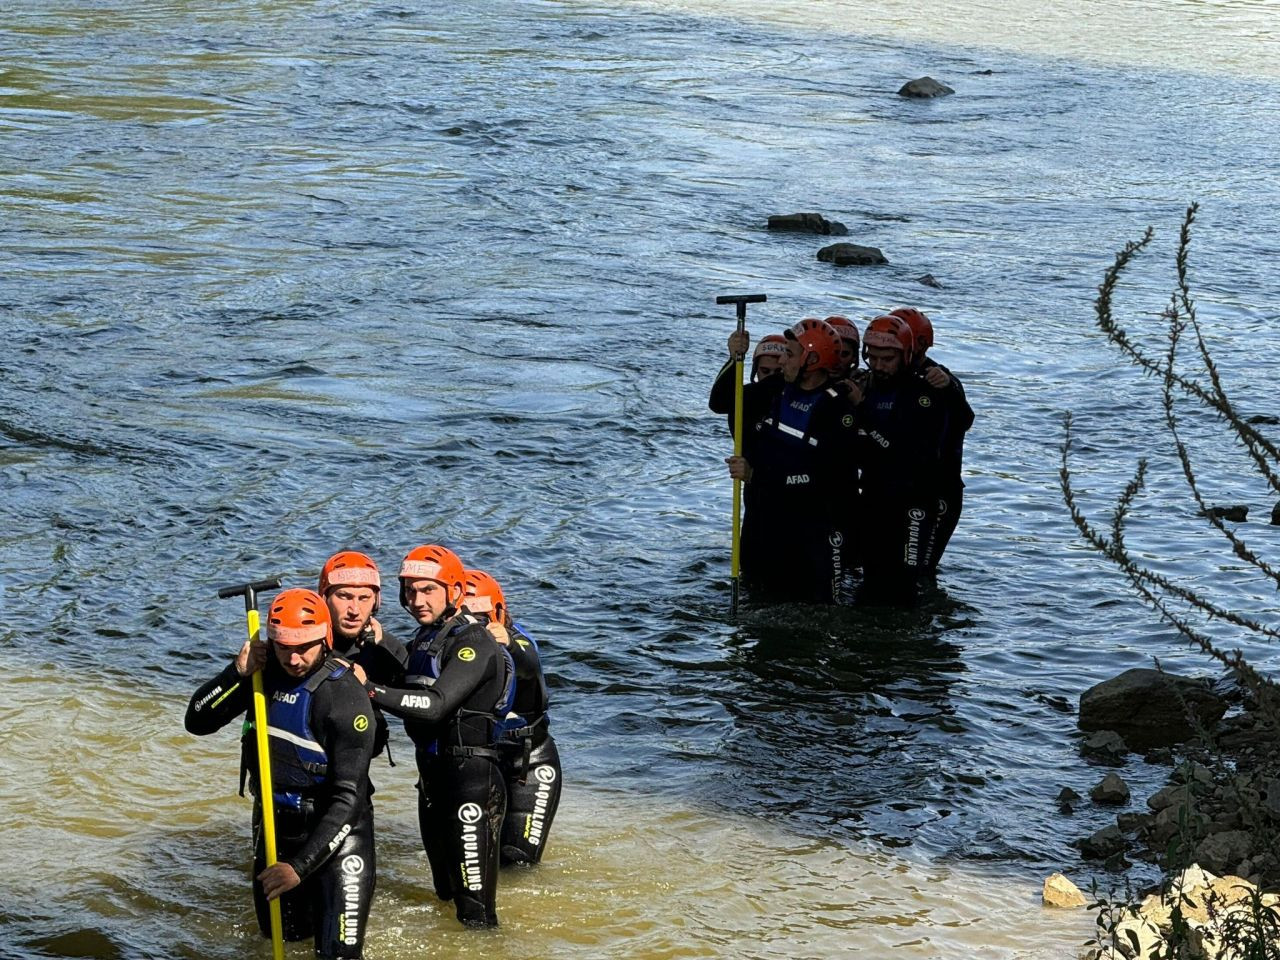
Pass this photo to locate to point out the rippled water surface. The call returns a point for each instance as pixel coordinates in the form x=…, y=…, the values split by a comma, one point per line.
x=285, y=278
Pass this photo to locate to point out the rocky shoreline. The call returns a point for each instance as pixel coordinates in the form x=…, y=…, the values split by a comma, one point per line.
x=1213, y=829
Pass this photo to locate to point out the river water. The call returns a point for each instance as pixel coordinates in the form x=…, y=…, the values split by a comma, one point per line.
x=286, y=278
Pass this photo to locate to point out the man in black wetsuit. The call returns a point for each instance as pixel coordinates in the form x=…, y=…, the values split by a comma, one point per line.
x=901, y=425
x=321, y=729
x=798, y=461
x=352, y=589
x=530, y=761
x=959, y=420
x=458, y=683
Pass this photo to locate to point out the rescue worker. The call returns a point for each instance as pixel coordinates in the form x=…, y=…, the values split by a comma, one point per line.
x=766, y=361
x=458, y=684
x=530, y=761
x=850, y=347
x=959, y=420
x=321, y=730
x=798, y=454
x=901, y=426
x=352, y=589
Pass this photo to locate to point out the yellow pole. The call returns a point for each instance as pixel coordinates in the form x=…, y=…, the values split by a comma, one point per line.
x=265, y=794
x=739, y=301
x=737, y=484
x=266, y=797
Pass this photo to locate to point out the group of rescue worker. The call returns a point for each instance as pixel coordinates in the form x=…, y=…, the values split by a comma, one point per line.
x=470, y=690
x=845, y=469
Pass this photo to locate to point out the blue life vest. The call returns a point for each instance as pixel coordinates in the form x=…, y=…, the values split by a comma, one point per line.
x=299, y=763
x=423, y=668
x=792, y=414
x=516, y=726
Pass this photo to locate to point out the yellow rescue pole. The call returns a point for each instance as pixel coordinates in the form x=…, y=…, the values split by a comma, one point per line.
x=739, y=357
x=265, y=795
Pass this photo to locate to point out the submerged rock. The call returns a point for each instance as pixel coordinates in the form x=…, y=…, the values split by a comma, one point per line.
x=1146, y=707
x=808, y=223
x=924, y=88
x=1275, y=515
x=1236, y=514
x=851, y=255
x=929, y=280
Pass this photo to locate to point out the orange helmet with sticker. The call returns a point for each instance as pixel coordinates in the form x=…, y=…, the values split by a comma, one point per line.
x=820, y=344
x=484, y=597
x=921, y=328
x=434, y=562
x=848, y=332
x=298, y=617
x=893, y=332
x=350, y=568
x=773, y=343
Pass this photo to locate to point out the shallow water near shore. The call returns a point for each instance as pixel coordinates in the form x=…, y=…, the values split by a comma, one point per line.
x=293, y=277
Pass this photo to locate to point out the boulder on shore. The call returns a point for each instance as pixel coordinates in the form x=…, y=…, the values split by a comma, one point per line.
x=851, y=255
x=808, y=223
x=1149, y=708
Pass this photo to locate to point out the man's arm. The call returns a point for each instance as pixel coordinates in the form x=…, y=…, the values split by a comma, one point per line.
x=224, y=698
x=466, y=663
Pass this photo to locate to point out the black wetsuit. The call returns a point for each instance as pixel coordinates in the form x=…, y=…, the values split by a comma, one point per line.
x=530, y=761
x=951, y=488
x=320, y=778
x=456, y=678
x=800, y=445
x=384, y=662
x=901, y=427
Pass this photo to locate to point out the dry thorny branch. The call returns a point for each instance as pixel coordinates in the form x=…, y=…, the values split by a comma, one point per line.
x=1172, y=600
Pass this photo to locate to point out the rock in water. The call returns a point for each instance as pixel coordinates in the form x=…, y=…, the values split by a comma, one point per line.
x=1107, y=842
x=1238, y=513
x=1111, y=789
x=1145, y=707
x=924, y=88
x=808, y=223
x=1061, y=892
x=851, y=255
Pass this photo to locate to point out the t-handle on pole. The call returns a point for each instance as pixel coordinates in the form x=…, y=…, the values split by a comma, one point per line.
x=741, y=300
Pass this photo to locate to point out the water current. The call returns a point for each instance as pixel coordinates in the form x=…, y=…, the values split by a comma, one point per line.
x=282, y=278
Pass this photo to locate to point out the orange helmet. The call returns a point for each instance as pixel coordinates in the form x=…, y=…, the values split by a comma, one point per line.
x=848, y=332
x=773, y=343
x=920, y=326
x=820, y=342
x=350, y=568
x=484, y=596
x=433, y=562
x=298, y=617
x=890, y=331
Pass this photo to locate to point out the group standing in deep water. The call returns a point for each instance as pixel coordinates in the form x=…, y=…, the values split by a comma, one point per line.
x=845, y=469
x=470, y=690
